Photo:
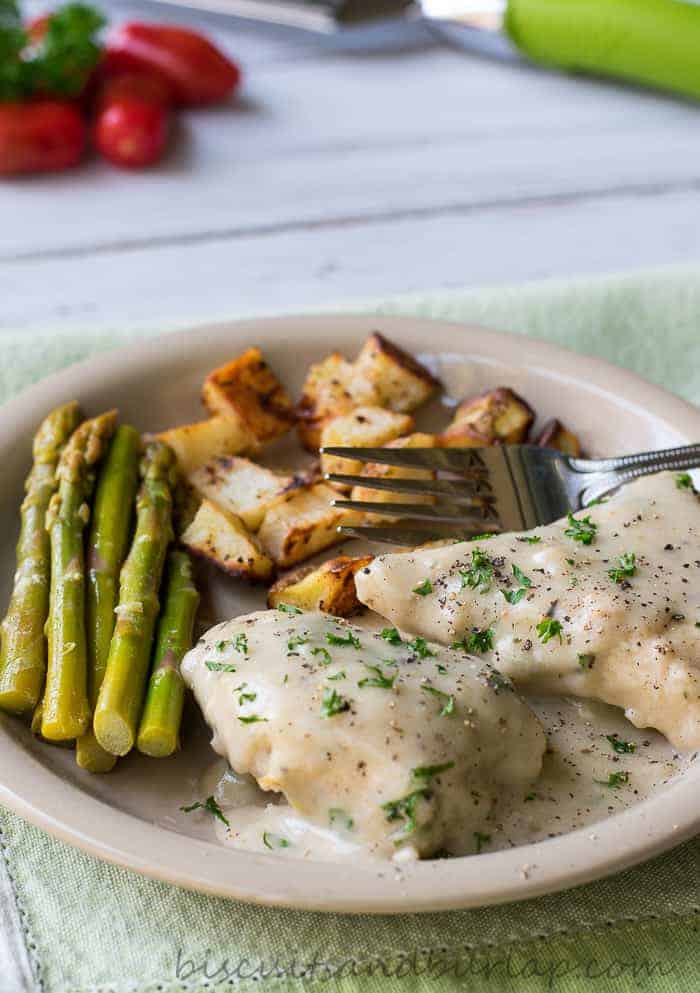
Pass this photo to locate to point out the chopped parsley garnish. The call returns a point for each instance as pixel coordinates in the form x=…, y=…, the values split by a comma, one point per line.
x=585, y=660
x=598, y=500
x=392, y=636
x=378, y=680
x=221, y=645
x=481, y=840
x=337, y=675
x=615, y=780
x=447, y=700
x=351, y=640
x=275, y=841
x=529, y=797
x=530, y=539
x=289, y=608
x=253, y=719
x=583, y=529
x=405, y=810
x=683, y=481
x=247, y=698
x=620, y=746
x=476, y=641
x=240, y=644
x=336, y=814
x=521, y=577
x=211, y=806
x=548, y=628
x=219, y=666
x=514, y=596
x=333, y=703
x=419, y=647
x=498, y=682
x=480, y=573
x=326, y=658
x=481, y=537
x=428, y=771
x=627, y=567
x=442, y=669
x=295, y=641
x=424, y=588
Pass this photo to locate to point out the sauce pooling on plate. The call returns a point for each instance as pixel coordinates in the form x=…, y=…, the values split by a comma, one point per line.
x=395, y=745
x=603, y=605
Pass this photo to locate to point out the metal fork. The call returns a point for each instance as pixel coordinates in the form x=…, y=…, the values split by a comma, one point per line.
x=504, y=488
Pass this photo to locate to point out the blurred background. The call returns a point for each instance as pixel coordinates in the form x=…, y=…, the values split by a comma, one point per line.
x=372, y=150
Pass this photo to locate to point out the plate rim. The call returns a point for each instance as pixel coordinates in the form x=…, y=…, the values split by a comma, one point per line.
x=657, y=823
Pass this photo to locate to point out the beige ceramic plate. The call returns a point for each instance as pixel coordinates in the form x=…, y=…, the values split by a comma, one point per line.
x=131, y=816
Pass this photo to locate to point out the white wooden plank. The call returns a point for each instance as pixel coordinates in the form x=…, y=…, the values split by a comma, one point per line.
x=182, y=284
x=347, y=138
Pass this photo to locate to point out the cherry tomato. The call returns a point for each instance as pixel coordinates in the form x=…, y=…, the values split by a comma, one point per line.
x=197, y=71
x=132, y=132
x=45, y=136
x=147, y=86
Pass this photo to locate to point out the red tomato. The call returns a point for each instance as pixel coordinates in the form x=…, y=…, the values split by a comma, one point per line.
x=45, y=136
x=147, y=86
x=36, y=28
x=132, y=133
x=195, y=69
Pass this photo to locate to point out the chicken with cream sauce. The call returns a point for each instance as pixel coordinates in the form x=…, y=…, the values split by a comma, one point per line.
x=400, y=745
x=603, y=605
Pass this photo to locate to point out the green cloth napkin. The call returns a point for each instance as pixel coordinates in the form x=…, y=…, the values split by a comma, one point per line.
x=653, y=42
x=86, y=927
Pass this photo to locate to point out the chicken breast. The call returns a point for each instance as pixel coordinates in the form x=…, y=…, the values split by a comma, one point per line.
x=403, y=746
x=603, y=605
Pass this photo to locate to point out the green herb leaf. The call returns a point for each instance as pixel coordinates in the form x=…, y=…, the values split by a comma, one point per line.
x=240, y=643
x=211, y=806
x=548, y=628
x=530, y=539
x=521, y=577
x=627, y=567
x=585, y=660
x=378, y=680
x=620, y=746
x=583, y=529
x=275, y=841
x=447, y=700
x=253, y=719
x=419, y=647
x=221, y=645
x=405, y=809
x=428, y=771
x=246, y=698
x=326, y=658
x=481, y=840
x=596, y=502
x=424, y=588
x=498, y=682
x=350, y=640
x=288, y=608
x=481, y=537
x=392, y=636
x=337, y=675
x=294, y=642
x=683, y=481
x=615, y=780
x=514, y=596
x=219, y=666
x=476, y=642
x=333, y=703
x=480, y=574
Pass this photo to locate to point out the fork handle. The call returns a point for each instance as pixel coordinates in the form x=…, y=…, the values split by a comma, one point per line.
x=629, y=467
x=682, y=457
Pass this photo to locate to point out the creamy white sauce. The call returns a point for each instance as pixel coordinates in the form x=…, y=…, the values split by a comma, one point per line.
x=574, y=630
x=402, y=749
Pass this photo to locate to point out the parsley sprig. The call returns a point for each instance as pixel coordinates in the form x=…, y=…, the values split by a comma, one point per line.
x=211, y=807
x=446, y=699
x=476, y=642
x=479, y=575
x=581, y=529
x=379, y=680
x=548, y=628
x=626, y=568
x=333, y=703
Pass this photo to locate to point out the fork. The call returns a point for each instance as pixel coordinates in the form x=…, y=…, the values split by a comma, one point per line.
x=504, y=488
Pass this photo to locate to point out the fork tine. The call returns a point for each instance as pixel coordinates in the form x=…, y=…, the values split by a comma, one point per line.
x=393, y=535
x=459, y=490
x=418, y=511
x=466, y=461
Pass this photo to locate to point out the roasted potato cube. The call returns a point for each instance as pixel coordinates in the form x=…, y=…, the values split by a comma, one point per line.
x=374, y=470
x=306, y=523
x=326, y=394
x=494, y=418
x=240, y=486
x=223, y=539
x=398, y=380
x=361, y=428
x=247, y=389
x=195, y=444
x=555, y=435
x=329, y=587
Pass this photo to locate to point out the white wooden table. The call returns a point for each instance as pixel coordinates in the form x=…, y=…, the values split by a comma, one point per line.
x=344, y=175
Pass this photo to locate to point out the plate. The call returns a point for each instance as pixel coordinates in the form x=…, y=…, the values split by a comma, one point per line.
x=130, y=816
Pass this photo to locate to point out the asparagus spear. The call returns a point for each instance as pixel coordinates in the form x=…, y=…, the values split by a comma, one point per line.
x=106, y=550
x=121, y=695
x=23, y=655
x=66, y=709
x=162, y=713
